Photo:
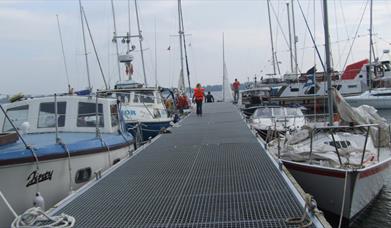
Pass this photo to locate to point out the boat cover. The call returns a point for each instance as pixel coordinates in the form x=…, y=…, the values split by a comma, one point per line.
x=364, y=114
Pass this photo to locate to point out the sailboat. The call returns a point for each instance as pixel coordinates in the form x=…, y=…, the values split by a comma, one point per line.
x=342, y=166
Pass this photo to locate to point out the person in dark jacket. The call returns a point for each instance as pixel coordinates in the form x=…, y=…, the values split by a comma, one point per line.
x=209, y=98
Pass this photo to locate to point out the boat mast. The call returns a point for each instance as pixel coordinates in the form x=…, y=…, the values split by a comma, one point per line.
x=370, y=46
x=294, y=38
x=290, y=36
x=155, y=56
x=223, y=70
x=141, y=43
x=185, y=49
x=328, y=66
x=271, y=37
x=115, y=40
x=180, y=32
x=85, y=46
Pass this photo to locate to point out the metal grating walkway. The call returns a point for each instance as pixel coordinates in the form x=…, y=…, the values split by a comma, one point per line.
x=210, y=172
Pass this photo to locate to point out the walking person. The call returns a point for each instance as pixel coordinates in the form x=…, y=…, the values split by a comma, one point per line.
x=236, y=87
x=198, y=97
x=209, y=98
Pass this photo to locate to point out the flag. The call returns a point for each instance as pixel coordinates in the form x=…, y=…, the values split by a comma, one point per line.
x=310, y=77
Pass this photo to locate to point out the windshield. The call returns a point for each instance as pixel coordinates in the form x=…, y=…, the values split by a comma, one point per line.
x=293, y=112
x=144, y=97
x=264, y=112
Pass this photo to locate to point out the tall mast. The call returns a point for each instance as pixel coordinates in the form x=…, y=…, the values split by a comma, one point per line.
x=370, y=45
x=141, y=43
x=155, y=56
x=328, y=64
x=115, y=40
x=294, y=38
x=223, y=69
x=185, y=50
x=85, y=46
x=271, y=36
x=180, y=32
x=290, y=36
x=63, y=54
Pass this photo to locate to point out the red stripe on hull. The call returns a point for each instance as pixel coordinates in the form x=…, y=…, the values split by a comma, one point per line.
x=314, y=170
x=376, y=169
x=336, y=173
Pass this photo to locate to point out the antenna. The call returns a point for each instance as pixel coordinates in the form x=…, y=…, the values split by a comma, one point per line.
x=63, y=53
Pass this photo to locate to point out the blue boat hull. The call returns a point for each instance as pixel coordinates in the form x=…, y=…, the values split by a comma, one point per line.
x=148, y=129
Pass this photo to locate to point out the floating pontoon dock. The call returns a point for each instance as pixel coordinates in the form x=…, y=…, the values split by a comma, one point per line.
x=209, y=172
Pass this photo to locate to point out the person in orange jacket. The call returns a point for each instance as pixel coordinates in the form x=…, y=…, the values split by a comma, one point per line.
x=198, y=97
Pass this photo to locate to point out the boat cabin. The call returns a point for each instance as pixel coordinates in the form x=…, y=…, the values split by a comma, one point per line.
x=74, y=114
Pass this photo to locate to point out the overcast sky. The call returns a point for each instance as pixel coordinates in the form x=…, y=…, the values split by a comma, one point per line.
x=31, y=60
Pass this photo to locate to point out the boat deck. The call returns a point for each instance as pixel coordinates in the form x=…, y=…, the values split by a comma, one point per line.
x=209, y=172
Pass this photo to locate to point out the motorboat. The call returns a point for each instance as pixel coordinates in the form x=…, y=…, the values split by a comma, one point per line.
x=51, y=146
x=271, y=121
x=142, y=108
x=379, y=98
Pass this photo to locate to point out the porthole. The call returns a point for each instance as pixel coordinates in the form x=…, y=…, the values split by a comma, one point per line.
x=83, y=175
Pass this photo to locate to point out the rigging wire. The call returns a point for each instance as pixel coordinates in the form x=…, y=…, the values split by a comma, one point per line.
x=63, y=53
x=279, y=25
x=93, y=45
x=355, y=36
x=312, y=37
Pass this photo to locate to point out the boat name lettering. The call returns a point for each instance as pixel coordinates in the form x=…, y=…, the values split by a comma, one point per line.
x=36, y=177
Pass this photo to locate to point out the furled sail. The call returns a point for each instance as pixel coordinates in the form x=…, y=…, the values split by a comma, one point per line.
x=227, y=92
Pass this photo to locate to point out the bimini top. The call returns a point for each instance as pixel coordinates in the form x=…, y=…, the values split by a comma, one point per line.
x=74, y=114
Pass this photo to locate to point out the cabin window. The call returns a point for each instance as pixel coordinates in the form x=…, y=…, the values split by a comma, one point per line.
x=339, y=144
x=18, y=115
x=352, y=86
x=83, y=175
x=114, y=115
x=46, y=116
x=294, y=89
x=144, y=97
x=87, y=115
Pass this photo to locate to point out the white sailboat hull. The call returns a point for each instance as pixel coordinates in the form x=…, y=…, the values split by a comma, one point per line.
x=362, y=185
x=54, y=181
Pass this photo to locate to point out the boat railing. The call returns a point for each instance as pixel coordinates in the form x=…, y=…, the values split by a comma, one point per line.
x=331, y=130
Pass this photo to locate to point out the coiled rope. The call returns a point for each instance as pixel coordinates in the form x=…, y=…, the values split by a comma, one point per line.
x=37, y=218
